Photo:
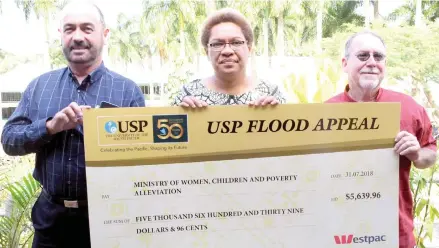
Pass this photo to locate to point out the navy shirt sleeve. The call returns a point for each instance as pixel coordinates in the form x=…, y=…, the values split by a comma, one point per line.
x=138, y=100
x=21, y=134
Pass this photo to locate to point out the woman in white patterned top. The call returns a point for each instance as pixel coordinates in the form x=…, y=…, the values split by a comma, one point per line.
x=227, y=39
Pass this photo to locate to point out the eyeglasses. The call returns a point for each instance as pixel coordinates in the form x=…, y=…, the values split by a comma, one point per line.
x=219, y=46
x=364, y=56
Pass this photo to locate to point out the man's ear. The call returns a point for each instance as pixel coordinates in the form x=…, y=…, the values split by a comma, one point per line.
x=60, y=35
x=106, y=35
x=344, y=64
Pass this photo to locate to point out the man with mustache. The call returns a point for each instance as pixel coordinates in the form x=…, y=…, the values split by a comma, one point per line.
x=365, y=64
x=48, y=122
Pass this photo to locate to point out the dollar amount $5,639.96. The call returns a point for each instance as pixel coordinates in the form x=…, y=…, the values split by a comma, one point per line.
x=363, y=196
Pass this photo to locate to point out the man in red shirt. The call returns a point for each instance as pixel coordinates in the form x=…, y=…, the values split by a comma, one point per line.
x=365, y=64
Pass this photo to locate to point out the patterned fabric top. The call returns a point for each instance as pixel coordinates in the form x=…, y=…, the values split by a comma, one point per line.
x=199, y=90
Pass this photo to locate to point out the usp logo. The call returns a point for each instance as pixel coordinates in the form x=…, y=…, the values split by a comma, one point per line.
x=170, y=128
x=117, y=130
x=127, y=126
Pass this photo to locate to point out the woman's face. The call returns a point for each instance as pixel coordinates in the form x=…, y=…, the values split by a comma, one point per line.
x=227, y=49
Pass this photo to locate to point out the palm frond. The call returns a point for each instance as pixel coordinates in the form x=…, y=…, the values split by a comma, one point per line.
x=16, y=225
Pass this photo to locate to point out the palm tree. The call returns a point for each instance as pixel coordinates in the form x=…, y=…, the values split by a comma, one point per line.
x=366, y=7
x=295, y=21
x=338, y=13
x=178, y=21
x=45, y=9
x=430, y=10
x=261, y=24
x=376, y=9
x=320, y=26
x=16, y=227
x=307, y=21
x=413, y=12
x=418, y=13
x=126, y=44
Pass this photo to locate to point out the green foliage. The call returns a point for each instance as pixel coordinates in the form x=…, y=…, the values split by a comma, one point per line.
x=338, y=14
x=180, y=74
x=126, y=43
x=301, y=87
x=16, y=227
x=9, y=61
x=11, y=170
x=411, y=52
x=178, y=32
x=56, y=55
x=430, y=11
x=424, y=188
x=41, y=8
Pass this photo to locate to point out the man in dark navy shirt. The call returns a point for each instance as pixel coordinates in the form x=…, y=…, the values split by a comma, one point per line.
x=48, y=122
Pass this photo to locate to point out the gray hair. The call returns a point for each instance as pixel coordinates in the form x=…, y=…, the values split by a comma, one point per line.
x=73, y=3
x=351, y=39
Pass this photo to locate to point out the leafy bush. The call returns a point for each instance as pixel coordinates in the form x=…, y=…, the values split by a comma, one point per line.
x=16, y=226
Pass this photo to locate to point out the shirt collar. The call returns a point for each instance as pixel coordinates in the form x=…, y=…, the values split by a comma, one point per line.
x=347, y=97
x=95, y=75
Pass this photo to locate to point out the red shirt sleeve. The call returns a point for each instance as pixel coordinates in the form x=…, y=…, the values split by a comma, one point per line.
x=425, y=133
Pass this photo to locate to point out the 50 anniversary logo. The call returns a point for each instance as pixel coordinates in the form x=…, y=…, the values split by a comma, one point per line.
x=170, y=128
x=165, y=129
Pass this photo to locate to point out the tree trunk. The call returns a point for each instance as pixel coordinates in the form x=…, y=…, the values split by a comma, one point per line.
x=376, y=10
x=367, y=14
x=182, y=45
x=47, y=59
x=280, y=47
x=320, y=26
x=265, y=34
x=418, y=15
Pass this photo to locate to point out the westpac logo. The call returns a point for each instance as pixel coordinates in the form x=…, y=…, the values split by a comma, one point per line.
x=170, y=128
x=133, y=126
x=349, y=239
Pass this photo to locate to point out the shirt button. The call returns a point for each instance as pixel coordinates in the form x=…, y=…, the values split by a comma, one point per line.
x=79, y=91
x=72, y=135
x=70, y=159
x=68, y=182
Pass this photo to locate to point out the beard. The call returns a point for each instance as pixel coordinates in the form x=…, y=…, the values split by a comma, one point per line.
x=81, y=52
x=369, y=84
